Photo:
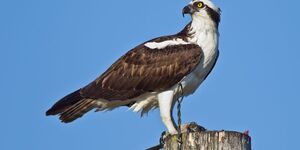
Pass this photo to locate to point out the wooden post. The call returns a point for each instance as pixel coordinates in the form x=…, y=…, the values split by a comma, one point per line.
x=195, y=137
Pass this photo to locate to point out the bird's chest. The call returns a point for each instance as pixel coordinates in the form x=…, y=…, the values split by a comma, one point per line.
x=191, y=82
x=208, y=41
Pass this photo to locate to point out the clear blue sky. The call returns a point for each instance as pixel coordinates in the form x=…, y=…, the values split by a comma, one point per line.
x=52, y=47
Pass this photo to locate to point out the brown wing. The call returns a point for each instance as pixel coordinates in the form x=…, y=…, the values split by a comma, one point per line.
x=144, y=70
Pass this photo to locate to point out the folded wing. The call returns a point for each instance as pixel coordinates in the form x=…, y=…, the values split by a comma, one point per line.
x=144, y=70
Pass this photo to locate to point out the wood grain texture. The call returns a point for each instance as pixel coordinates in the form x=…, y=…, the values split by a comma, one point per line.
x=209, y=140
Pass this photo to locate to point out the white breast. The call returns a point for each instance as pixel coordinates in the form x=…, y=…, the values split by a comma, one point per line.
x=206, y=36
x=191, y=82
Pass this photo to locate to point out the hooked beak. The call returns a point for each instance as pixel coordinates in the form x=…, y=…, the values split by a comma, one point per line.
x=189, y=9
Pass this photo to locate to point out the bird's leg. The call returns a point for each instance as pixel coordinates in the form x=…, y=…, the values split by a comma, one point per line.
x=165, y=101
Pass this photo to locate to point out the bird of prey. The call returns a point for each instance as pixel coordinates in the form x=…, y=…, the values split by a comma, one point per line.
x=155, y=73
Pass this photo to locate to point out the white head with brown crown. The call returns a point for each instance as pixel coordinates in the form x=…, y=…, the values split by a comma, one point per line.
x=203, y=9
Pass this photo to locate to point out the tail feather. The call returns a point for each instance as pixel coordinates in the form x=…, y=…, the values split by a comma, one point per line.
x=77, y=110
x=65, y=103
x=71, y=107
x=78, y=106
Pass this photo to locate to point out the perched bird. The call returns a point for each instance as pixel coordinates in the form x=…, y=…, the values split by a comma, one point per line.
x=155, y=73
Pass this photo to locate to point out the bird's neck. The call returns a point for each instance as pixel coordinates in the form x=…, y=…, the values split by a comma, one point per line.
x=204, y=32
x=202, y=28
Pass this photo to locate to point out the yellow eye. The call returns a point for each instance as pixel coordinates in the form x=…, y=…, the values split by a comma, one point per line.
x=200, y=5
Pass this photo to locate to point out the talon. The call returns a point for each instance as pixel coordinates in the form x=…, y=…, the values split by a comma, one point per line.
x=163, y=137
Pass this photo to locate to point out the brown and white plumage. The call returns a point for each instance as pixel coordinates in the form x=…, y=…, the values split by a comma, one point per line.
x=139, y=71
x=148, y=76
x=144, y=70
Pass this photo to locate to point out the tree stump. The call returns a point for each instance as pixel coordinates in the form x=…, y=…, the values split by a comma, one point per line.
x=195, y=137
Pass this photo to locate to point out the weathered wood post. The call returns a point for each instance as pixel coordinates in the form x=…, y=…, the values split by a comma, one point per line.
x=195, y=137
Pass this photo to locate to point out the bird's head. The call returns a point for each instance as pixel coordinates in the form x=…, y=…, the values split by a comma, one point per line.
x=202, y=9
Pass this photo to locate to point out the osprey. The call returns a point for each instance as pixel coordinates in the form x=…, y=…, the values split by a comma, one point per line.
x=155, y=73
